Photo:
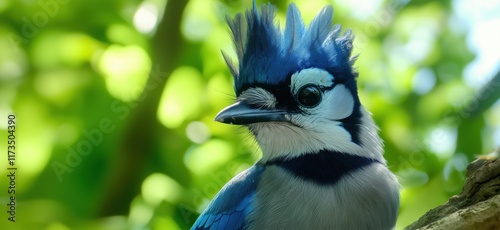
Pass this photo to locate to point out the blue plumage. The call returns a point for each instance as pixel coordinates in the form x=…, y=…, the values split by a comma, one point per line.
x=322, y=165
x=232, y=204
x=268, y=56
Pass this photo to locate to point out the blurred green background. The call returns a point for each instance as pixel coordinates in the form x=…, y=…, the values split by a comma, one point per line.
x=115, y=103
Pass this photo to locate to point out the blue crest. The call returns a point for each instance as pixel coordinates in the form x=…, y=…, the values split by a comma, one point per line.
x=268, y=56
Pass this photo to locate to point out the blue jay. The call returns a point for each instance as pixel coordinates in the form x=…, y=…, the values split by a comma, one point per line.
x=322, y=165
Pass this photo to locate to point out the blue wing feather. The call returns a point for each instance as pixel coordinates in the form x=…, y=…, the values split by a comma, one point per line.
x=232, y=204
x=225, y=218
x=236, y=221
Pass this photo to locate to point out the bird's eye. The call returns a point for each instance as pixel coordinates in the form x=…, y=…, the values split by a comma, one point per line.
x=309, y=95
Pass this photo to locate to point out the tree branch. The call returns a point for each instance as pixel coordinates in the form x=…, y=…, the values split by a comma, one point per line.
x=476, y=207
x=142, y=127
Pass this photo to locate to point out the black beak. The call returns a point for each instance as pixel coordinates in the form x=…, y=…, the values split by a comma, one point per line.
x=240, y=113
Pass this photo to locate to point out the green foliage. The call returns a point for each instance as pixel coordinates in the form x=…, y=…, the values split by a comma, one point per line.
x=102, y=147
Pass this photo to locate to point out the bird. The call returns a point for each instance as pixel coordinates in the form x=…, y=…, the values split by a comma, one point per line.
x=322, y=164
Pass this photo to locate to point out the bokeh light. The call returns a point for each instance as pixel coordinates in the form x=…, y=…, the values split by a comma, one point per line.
x=425, y=72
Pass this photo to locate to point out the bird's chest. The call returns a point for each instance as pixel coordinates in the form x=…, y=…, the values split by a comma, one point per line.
x=287, y=202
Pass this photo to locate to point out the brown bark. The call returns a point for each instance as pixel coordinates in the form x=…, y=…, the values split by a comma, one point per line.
x=476, y=207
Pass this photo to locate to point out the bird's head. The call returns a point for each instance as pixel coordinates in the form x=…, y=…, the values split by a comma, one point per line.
x=296, y=89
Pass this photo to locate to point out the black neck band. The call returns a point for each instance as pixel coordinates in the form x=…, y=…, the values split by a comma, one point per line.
x=325, y=167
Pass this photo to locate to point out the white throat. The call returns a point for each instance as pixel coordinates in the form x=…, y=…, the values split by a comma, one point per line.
x=282, y=139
